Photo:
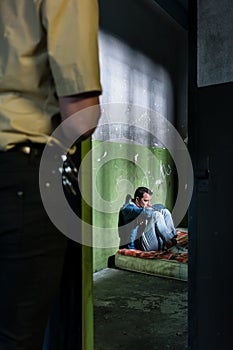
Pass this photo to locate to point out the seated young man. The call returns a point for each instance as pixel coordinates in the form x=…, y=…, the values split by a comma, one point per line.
x=147, y=227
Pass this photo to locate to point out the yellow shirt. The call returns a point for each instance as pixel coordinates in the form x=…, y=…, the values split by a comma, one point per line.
x=48, y=48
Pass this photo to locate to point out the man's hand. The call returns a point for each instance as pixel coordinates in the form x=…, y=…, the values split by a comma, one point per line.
x=86, y=119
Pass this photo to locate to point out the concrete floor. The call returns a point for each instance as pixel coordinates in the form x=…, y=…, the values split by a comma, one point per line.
x=137, y=311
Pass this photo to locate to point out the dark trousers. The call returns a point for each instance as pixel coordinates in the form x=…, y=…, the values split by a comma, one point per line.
x=64, y=328
x=32, y=254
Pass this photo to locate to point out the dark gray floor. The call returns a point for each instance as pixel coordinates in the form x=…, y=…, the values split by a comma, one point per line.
x=137, y=311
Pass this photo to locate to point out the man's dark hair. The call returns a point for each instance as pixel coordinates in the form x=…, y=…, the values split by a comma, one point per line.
x=140, y=191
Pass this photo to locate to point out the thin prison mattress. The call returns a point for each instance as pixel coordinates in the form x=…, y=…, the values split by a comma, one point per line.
x=158, y=263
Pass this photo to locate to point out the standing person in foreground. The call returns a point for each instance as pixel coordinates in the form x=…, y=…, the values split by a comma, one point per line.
x=147, y=227
x=49, y=70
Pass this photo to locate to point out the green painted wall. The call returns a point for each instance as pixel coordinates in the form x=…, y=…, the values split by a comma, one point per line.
x=118, y=168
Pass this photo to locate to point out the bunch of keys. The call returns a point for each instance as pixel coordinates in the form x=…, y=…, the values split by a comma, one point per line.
x=68, y=169
x=69, y=174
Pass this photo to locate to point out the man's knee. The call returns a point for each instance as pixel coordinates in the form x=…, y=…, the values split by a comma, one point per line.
x=165, y=212
x=157, y=216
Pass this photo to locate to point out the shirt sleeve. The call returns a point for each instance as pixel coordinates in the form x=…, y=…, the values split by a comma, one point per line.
x=132, y=211
x=72, y=44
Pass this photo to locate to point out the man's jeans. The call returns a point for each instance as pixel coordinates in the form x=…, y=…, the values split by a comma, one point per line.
x=160, y=228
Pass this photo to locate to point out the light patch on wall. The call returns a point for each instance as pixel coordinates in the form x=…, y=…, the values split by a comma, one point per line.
x=128, y=76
